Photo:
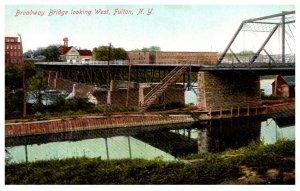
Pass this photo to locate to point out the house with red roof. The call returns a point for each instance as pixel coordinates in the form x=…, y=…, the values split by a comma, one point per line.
x=72, y=55
x=284, y=86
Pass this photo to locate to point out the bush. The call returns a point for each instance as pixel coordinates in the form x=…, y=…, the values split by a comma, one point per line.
x=212, y=170
x=271, y=97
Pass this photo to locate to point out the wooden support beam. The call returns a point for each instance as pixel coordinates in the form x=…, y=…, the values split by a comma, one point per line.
x=248, y=111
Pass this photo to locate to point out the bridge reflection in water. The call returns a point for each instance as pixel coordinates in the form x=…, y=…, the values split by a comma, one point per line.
x=214, y=136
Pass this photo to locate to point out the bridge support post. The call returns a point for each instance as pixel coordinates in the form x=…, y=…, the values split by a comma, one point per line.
x=26, y=154
x=55, y=79
x=129, y=146
x=203, y=141
x=226, y=90
x=106, y=146
x=49, y=75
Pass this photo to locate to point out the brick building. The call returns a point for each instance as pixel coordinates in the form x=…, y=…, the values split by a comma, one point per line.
x=13, y=50
x=144, y=57
x=138, y=57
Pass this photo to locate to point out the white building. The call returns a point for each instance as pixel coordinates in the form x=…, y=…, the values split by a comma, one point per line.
x=71, y=55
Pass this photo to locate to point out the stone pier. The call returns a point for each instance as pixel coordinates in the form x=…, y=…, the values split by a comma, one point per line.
x=227, y=90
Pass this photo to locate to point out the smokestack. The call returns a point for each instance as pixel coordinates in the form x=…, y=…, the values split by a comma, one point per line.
x=66, y=41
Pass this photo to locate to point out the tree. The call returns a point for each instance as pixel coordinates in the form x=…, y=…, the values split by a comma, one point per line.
x=119, y=54
x=151, y=49
x=246, y=53
x=28, y=54
x=13, y=77
x=35, y=82
x=51, y=53
x=242, y=54
x=102, y=53
x=154, y=49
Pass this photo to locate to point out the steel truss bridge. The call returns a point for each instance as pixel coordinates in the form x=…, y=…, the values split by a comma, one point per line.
x=166, y=73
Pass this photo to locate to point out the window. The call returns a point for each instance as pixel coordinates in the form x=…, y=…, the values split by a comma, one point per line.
x=11, y=46
x=12, y=40
x=15, y=53
x=7, y=40
x=7, y=47
x=11, y=54
x=15, y=46
x=19, y=47
x=19, y=54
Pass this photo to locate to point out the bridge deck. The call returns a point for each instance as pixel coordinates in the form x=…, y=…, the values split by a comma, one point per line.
x=260, y=68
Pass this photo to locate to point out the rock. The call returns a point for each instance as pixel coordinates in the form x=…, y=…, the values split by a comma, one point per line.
x=272, y=174
x=289, y=177
x=255, y=180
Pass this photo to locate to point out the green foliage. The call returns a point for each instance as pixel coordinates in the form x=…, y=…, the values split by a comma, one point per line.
x=242, y=54
x=151, y=49
x=13, y=87
x=213, y=170
x=102, y=53
x=50, y=53
x=13, y=102
x=38, y=114
x=268, y=77
x=13, y=76
x=246, y=53
x=270, y=97
x=259, y=156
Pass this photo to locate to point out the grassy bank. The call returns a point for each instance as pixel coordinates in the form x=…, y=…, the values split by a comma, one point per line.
x=222, y=168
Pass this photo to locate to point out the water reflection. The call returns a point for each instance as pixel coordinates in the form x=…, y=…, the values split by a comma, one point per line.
x=150, y=143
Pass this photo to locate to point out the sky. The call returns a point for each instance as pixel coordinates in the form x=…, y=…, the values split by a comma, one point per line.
x=171, y=27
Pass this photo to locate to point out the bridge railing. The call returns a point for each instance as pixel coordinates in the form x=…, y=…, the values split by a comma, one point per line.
x=274, y=59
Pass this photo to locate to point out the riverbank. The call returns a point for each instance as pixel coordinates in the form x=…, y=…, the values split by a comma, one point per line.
x=253, y=164
x=29, y=127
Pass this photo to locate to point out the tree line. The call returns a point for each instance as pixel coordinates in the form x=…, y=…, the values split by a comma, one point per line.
x=101, y=53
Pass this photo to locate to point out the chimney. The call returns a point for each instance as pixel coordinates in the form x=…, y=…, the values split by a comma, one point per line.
x=66, y=41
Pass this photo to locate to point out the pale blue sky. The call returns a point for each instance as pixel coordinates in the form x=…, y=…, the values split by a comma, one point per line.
x=173, y=28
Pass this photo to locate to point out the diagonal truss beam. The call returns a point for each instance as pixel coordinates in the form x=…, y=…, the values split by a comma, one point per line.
x=264, y=44
x=269, y=56
x=230, y=43
x=259, y=20
x=235, y=56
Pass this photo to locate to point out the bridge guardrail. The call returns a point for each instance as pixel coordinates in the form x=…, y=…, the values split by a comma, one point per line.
x=271, y=60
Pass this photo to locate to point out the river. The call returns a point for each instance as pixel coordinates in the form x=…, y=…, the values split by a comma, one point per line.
x=167, y=144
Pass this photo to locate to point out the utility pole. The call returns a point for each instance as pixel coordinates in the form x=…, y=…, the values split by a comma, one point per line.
x=23, y=78
x=128, y=84
x=283, y=37
x=108, y=68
